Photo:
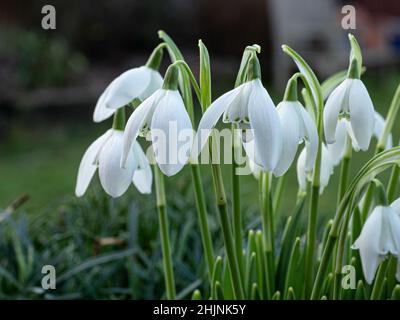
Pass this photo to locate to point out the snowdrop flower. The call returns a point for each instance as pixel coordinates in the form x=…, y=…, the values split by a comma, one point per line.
x=325, y=172
x=252, y=109
x=297, y=126
x=104, y=154
x=350, y=101
x=137, y=83
x=379, y=236
x=338, y=148
x=163, y=117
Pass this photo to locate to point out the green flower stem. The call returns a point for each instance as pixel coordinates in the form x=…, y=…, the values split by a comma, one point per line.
x=236, y=278
x=249, y=60
x=202, y=217
x=119, y=119
x=390, y=118
x=379, y=281
x=392, y=184
x=344, y=170
x=279, y=193
x=187, y=78
x=186, y=69
x=164, y=233
x=314, y=89
x=337, y=274
x=311, y=239
x=268, y=232
x=237, y=216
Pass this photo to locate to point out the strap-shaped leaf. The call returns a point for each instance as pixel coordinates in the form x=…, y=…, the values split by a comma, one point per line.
x=308, y=73
x=205, y=77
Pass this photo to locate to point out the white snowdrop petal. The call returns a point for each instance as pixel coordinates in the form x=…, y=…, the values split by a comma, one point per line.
x=114, y=179
x=143, y=176
x=338, y=148
x=311, y=138
x=333, y=107
x=88, y=165
x=156, y=82
x=378, y=130
x=171, y=133
x=369, y=244
x=326, y=169
x=129, y=85
x=301, y=170
x=290, y=135
x=101, y=112
x=267, y=130
x=137, y=120
x=361, y=114
x=210, y=119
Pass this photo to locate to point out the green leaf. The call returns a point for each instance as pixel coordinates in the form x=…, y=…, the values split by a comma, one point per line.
x=260, y=265
x=96, y=261
x=175, y=55
x=255, y=292
x=290, y=294
x=251, y=271
x=219, y=294
x=205, y=77
x=276, y=296
x=291, y=231
x=217, y=274
x=292, y=269
x=312, y=82
x=196, y=295
x=396, y=293
x=361, y=294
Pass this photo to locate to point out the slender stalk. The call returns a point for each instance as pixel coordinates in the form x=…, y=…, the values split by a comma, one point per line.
x=344, y=170
x=278, y=194
x=379, y=280
x=339, y=258
x=164, y=234
x=236, y=278
x=326, y=255
x=392, y=184
x=203, y=221
x=268, y=232
x=236, y=212
x=187, y=79
x=310, y=240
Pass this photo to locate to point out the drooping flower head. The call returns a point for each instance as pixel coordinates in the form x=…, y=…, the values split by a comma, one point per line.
x=351, y=102
x=252, y=109
x=137, y=83
x=297, y=126
x=104, y=155
x=162, y=117
x=380, y=236
x=338, y=148
x=325, y=172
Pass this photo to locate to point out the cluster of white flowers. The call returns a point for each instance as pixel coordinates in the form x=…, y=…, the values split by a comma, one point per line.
x=269, y=135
